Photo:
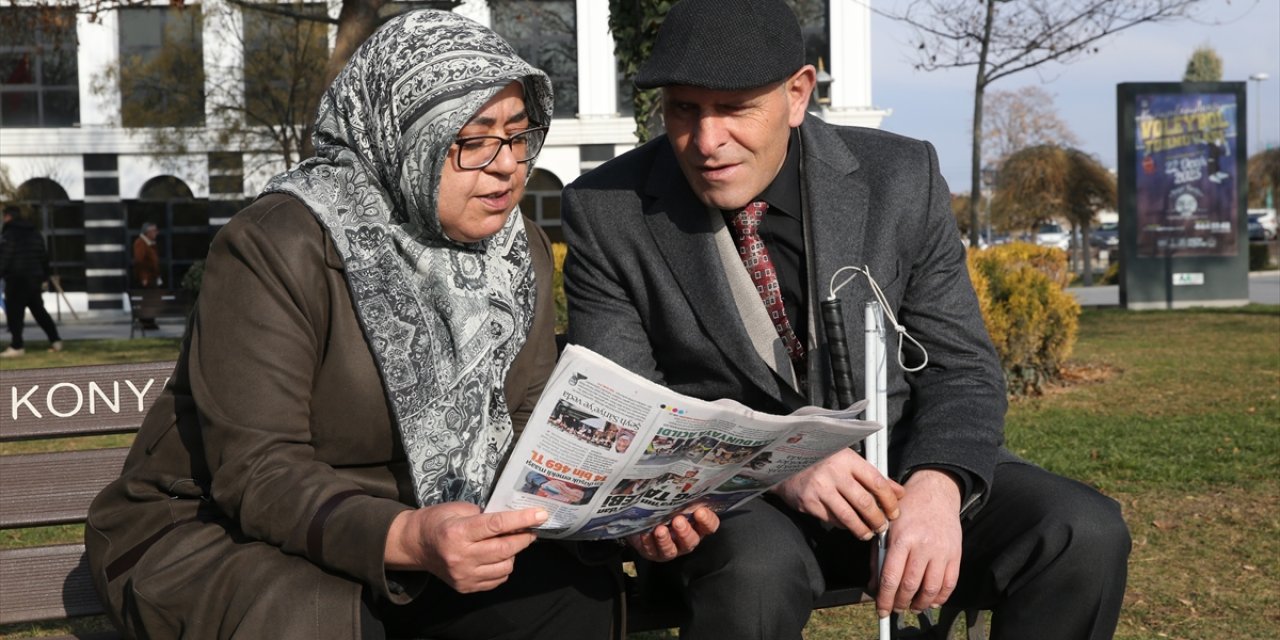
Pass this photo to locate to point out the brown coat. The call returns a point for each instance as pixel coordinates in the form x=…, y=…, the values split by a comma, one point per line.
x=257, y=497
x=146, y=262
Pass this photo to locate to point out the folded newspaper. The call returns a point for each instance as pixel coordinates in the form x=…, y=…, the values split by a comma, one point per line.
x=608, y=453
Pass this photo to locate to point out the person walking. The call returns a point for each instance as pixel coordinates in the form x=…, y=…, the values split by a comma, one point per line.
x=24, y=266
x=146, y=264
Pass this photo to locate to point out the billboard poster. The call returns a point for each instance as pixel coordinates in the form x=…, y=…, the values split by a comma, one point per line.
x=1186, y=170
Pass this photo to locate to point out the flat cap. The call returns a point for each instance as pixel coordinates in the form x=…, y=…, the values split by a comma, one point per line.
x=724, y=44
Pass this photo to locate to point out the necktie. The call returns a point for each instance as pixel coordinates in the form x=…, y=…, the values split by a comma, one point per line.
x=745, y=228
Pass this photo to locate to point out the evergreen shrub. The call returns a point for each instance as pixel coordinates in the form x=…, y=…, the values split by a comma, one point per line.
x=1031, y=318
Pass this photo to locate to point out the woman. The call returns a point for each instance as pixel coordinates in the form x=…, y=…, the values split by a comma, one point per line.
x=367, y=333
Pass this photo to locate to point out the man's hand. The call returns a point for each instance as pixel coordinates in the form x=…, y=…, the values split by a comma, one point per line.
x=922, y=563
x=669, y=541
x=469, y=550
x=845, y=490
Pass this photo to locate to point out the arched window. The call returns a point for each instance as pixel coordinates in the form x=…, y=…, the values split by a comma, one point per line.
x=183, y=220
x=541, y=202
x=62, y=222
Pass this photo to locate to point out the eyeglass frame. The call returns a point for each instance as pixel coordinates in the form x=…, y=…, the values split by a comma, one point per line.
x=502, y=142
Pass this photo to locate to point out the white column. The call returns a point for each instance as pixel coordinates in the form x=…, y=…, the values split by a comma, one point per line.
x=597, y=67
x=477, y=10
x=223, y=51
x=850, y=65
x=98, y=52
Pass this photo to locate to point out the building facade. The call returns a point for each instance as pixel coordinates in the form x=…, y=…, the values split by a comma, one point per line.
x=92, y=147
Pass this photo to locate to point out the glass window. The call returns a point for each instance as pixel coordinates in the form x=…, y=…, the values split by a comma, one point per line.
x=183, y=221
x=39, y=82
x=541, y=202
x=161, y=67
x=812, y=15
x=545, y=33
x=62, y=223
x=284, y=63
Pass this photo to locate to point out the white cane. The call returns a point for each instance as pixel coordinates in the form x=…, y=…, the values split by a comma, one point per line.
x=877, y=444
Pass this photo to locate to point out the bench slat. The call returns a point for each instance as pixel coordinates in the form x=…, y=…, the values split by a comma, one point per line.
x=78, y=401
x=46, y=583
x=54, y=488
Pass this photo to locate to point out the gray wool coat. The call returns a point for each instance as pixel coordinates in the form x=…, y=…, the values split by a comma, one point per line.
x=256, y=499
x=648, y=287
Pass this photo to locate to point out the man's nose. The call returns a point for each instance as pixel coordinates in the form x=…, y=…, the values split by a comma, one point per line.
x=709, y=134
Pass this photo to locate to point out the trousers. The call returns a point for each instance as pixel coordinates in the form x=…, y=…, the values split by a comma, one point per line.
x=21, y=294
x=1047, y=555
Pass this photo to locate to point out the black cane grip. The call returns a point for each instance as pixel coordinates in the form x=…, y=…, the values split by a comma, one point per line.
x=838, y=346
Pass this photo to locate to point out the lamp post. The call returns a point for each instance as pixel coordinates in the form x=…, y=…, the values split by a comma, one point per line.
x=1258, y=79
x=822, y=92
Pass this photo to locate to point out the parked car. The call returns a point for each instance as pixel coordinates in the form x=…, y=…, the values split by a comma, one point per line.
x=1262, y=224
x=1106, y=236
x=1051, y=234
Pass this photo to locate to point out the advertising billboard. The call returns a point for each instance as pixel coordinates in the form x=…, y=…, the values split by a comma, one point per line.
x=1187, y=176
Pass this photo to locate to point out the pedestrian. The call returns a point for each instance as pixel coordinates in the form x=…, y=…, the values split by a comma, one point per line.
x=24, y=268
x=699, y=260
x=146, y=265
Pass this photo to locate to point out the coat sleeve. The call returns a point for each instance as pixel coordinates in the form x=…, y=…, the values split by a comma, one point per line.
x=955, y=415
x=256, y=347
x=602, y=314
x=532, y=366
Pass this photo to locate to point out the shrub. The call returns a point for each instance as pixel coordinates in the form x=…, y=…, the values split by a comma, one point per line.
x=192, y=279
x=1112, y=274
x=1259, y=256
x=1031, y=319
x=558, y=252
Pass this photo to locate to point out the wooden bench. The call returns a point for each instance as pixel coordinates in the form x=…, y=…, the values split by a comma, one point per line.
x=153, y=304
x=51, y=582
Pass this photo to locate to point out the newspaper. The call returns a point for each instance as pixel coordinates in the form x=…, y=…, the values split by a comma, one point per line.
x=608, y=453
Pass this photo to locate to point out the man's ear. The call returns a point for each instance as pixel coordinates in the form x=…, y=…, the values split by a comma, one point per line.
x=799, y=89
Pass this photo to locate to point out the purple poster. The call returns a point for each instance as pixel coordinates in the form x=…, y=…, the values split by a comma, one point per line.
x=1186, y=174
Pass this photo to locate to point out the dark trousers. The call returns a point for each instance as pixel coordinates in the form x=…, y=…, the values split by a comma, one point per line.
x=21, y=294
x=1046, y=554
x=550, y=594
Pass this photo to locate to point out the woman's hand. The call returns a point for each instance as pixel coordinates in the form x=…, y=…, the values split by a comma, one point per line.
x=670, y=541
x=471, y=551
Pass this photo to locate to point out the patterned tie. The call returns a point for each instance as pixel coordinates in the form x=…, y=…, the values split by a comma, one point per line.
x=745, y=229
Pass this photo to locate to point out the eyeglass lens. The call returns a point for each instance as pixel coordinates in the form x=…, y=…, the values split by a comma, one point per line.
x=478, y=151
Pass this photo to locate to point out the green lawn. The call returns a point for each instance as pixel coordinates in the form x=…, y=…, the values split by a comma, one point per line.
x=1176, y=415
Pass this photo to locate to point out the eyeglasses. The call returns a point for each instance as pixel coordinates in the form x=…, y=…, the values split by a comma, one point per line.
x=478, y=152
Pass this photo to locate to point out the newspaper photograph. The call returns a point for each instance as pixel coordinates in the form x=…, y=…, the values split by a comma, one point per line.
x=609, y=453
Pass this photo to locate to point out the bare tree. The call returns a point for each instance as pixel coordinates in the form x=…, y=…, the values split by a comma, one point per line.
x=1019, y=119
x=999, y=38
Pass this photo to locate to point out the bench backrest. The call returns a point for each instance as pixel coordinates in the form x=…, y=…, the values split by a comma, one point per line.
x=55, y=487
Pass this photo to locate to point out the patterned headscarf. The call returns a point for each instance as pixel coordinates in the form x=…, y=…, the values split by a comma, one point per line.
x=444, y=320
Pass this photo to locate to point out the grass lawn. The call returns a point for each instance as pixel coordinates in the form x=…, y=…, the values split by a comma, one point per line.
x=1176, y=414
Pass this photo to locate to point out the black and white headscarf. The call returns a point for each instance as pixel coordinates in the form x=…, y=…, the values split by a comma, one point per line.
x=444, y=320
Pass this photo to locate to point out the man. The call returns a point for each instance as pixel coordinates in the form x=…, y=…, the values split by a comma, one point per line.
x=146, y=264
x=658, y=240
x=24, y=266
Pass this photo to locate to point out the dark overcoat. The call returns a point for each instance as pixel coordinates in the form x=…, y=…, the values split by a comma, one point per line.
x=647, y=287
x=256, y=500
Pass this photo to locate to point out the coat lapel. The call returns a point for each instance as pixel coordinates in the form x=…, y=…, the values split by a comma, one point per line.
x=685, y=237
x=836, y=214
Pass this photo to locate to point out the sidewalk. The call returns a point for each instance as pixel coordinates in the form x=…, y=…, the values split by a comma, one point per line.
x=1264, y=288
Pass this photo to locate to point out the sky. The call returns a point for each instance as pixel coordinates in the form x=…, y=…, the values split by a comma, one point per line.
x=938, y=105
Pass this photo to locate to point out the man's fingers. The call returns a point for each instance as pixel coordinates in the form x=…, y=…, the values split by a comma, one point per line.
x=490, y=525
x=705, y=521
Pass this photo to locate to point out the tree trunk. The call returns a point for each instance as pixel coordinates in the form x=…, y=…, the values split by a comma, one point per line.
x=356, y=22
x=979, y=88
x=1088, y=254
